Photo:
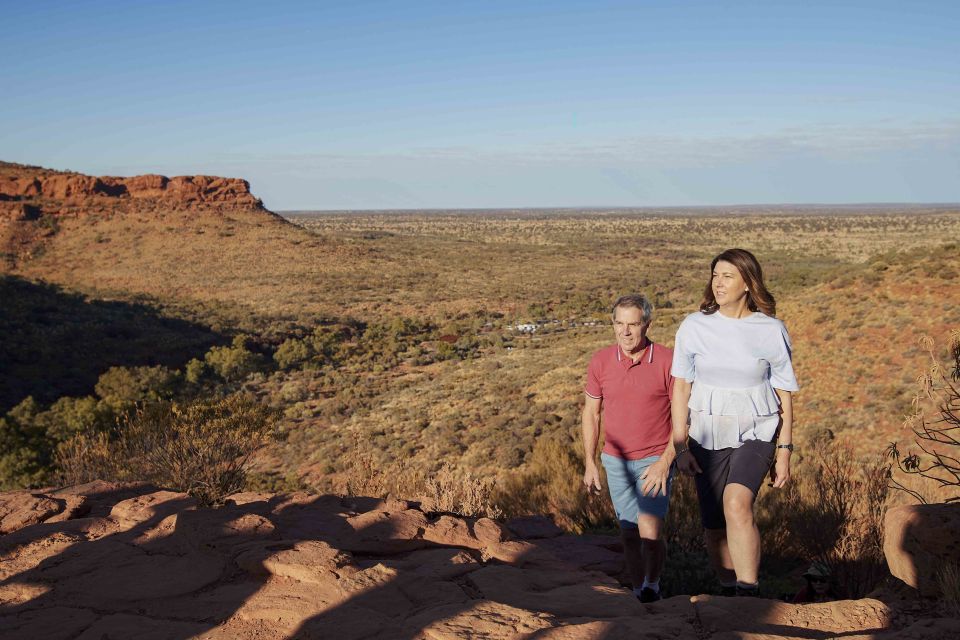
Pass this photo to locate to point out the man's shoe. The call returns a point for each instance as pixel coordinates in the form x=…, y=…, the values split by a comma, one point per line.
x=728, y=592
x=649, y=595
x=748, y=592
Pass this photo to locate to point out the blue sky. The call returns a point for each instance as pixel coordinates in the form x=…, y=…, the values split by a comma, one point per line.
x=358, y=105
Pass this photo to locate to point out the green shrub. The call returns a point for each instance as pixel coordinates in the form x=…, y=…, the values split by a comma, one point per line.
x=70, y=416
x=195, y=371
x=292, y=353
x=24, y=447
x=233, y=363
x=22, y=459
x=122, y=387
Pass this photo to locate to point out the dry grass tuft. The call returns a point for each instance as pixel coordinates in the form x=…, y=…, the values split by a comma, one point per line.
x=832, y=513
x=551, y=483
x=445, y=490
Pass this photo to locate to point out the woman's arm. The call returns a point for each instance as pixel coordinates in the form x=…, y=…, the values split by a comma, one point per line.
x=780, y=473
x=680, y=413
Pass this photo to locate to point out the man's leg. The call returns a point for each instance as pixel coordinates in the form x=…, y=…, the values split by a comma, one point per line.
x=651, y=511
x=621, y=481
x=633, y=555
x=653, y=546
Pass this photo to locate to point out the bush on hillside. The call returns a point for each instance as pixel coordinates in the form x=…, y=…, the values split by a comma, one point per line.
x=202, y=448
x=29, y=434
x=234, y=363
x=122, y=387
x=292, y=353
x=22, y=460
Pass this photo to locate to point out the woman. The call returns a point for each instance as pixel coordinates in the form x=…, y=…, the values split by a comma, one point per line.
x=818, y=588
x=734, y=378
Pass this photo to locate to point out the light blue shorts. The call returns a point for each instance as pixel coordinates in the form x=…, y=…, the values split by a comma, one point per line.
x=623, y=480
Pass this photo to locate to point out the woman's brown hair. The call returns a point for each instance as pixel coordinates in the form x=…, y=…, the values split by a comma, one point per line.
x=758, y=298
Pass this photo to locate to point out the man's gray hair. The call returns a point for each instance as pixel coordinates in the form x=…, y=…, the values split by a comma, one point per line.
x=636, y=301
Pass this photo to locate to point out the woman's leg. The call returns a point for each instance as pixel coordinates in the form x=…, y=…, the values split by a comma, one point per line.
x=710, y=488
x=743, y=537
x=719, y=552
x=749, y=465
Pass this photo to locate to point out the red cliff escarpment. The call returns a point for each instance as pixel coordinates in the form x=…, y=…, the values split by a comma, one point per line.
x=33, y=186
x=36, y=204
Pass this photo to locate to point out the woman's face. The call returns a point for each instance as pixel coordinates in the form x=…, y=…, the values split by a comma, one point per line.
x=728, y=285
x=820, y=585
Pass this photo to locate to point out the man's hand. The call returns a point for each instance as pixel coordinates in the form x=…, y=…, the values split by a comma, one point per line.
x=687, y=464
x=780, y=472
x=591, y=477
x=655, y=478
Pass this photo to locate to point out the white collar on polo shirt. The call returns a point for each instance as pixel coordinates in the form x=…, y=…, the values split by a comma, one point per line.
x=649, y=352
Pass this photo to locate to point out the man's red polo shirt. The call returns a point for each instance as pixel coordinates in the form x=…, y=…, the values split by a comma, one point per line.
x=636, y=400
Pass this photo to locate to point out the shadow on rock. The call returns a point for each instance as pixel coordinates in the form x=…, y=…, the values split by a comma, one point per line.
x=122, y=561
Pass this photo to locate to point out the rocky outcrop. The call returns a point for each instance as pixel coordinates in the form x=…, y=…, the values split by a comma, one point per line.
x=919, y=541
x=20, y=184
x=120, y=561
x=36, y=204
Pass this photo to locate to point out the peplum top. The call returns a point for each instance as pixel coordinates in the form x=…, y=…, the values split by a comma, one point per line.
x=734, y=365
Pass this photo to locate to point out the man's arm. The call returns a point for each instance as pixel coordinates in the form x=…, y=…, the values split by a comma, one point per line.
x=590, y=430
x=780, y=473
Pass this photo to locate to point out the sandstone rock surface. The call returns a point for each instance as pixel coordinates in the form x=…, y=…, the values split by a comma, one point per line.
x=920, y=539
x=134, y=561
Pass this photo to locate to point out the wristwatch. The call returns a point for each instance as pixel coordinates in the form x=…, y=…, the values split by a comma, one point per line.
x=788, y=447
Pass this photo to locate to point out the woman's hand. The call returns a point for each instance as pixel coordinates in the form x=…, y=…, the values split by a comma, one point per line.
x=687, y=464
x=780, y=472
x=655, y=478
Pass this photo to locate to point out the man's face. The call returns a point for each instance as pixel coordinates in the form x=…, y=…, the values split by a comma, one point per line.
x=629, y=328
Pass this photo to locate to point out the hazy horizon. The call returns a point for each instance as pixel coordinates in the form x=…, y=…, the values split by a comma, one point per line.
x=812, y=207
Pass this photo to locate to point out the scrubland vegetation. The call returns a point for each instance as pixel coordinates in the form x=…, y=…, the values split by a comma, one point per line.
x=381, y=354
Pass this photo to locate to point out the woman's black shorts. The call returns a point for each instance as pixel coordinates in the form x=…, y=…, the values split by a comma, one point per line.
x=748, y=464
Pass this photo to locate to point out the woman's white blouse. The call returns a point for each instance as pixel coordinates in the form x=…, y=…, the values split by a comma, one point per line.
x=734, y=365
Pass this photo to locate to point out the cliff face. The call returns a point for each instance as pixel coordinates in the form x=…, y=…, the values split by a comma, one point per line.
x=24, y=189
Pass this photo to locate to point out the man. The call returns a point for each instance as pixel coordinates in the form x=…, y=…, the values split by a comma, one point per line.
x=629, y=383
